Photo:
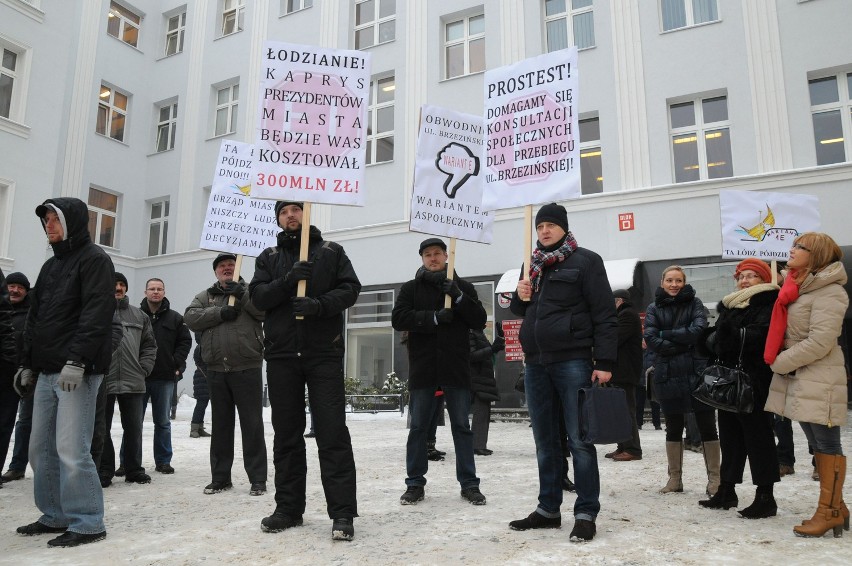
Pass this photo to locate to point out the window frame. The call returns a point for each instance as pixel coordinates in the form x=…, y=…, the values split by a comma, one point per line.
x=178, y=33
x=303, y=5
x=238, y=11
x=163, y=222
x=375, y=24
x=373, y=108
x=591, y=146
x=111, y=109
x=689, y=14
x=466, y=39
x=20, y=78
x=100, y=213
x=170, y=125
x=843, y=106
x=568, y=15
x=700, y=130
x=382, y=323
x=123, y=13
x=233, y=105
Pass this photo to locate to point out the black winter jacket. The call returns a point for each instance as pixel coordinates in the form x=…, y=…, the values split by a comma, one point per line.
x=572, y=315
x=333, y=283
x=482, y=382
x=72, y=303
x=8, y=349
x=438, y=355
x=628, y=368
x=173, y=342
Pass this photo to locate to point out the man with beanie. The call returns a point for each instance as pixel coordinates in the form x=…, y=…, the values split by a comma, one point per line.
x=8, y=364
x=132, y=361
x=628, y=370
x=569, y=336
x=305, y=346
x=438, y=357
x=66, y=352
x=231, y=345
x=18, y=288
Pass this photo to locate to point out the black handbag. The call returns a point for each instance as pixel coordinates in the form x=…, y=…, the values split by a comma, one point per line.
x=725, y=388
x=603, y=413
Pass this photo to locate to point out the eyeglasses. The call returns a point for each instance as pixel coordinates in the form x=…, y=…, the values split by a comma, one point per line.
x=748, y=276
x=799, y=246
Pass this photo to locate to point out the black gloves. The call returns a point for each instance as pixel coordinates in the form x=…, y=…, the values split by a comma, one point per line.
x=451, y=288
x=444, y=316
x=301, y=270
x=499, y=344
x=435, y=278
x=234, y=288
x=229, y=313
x=306, y=306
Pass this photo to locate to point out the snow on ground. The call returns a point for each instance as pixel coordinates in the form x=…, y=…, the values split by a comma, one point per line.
x=171, y=521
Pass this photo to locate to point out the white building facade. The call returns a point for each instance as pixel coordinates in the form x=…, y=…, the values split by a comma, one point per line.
x=124, y=105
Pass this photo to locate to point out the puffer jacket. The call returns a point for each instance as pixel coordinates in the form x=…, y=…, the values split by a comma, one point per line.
x=135, y=355
x=628, y=367
x=226, y=345
x=809, y=381
x=482, y=382
x=173, y=342
x=673, y=325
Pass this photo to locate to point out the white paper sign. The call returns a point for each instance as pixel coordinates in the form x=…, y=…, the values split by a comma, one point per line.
x=764, y=225
x=532, y=131
x=235, y=222
x=312, y=124
x=447, y=198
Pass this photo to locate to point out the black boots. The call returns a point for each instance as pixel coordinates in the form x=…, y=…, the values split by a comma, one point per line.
x=764, y=504
x=725, y=498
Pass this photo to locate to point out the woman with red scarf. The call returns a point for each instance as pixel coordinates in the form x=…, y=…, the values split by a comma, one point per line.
x=809, y=380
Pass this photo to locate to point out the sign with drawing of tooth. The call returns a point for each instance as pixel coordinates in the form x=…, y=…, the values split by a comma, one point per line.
x=447, y=197
x=764, y=225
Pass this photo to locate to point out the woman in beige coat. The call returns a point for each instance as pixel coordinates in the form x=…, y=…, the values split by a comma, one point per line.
x=809, y=381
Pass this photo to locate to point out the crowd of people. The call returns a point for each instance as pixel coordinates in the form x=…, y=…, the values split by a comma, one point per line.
x=72, y=345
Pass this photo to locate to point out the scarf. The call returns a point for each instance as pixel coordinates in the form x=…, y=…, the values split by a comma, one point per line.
x=542, y=258
x=778, y=324
x=741, y=298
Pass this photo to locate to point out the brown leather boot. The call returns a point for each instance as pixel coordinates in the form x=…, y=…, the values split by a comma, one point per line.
x=674, y=454
x=829, y=515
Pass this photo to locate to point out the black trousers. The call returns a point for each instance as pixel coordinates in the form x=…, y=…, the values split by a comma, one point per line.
x=676, y=422
x=286, y=380
x=481, y=422
x=748, y=435
x=9, y=401
x=99, y=431
x=232, y=392
x=130, y=406
x=632, y=446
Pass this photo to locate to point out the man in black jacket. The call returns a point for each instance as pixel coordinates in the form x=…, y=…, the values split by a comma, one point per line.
x=67, y=349
x=438, y=356
x=8, y=364
x=570, y=338
x=305, y=345
x=628, y=370
x=18, y=287
x=173, y=344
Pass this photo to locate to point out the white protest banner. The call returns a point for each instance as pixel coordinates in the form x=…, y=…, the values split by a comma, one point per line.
x=447, y=197
x=312, y=124
x=764, y=225
x=235, y=222
x=532, y=135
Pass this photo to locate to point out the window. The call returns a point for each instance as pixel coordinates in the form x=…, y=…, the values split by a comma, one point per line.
x=685, y=13
x=112, y=113
x=375, y=22
x=380, y=120
x=591, y=168
x=701, y=139
x=464, y=46
x=233, y=15
x=485, y=294
x=167, y=127
x=569, y=22
x=831, y=111
x=369, y=347
x=227, y=99
x=158, y=227
x=123, y=24
x=175, y=28
x=8, y=77
x=290, y=6
x=103, y=209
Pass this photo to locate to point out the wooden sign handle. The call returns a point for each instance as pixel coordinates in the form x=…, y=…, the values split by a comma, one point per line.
x=303, y=249
x=232, y=300
x=528, y=228
x=451, y=267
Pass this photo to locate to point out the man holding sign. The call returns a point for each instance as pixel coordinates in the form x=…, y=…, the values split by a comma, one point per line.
x=305, y=346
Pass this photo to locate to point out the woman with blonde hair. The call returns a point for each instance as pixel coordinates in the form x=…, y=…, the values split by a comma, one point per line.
x=809, y=380
x=674, y=323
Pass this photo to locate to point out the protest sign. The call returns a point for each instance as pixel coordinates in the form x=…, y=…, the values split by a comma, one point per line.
x=235, y=222
x=447, y=197
x=764, y=225
x=532, y=134
x=312, y=124
x=511, y=333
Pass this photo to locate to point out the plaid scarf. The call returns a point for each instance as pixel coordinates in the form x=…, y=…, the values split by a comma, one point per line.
x=778, y=323
x=542, y=259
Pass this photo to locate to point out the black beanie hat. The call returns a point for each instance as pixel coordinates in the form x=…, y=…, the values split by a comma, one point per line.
x=18, y=278
x=555, y=213
x=120, y=278
x=282, y=203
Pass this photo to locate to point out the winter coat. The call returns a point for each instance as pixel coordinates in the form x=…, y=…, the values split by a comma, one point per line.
x=135, y=355
x=19, y=320
x=173, y=342
x=809, y=381
x=673, y=325
x=754, y=320
x=333, y=283
x=438, y=354
x=8, y=350
x=72, y=303
x=482, y=382
x=628, y=366
x=572, y=315
x=226, y=346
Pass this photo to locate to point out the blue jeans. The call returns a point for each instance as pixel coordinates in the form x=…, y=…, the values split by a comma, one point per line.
x=66, y=485
x=422, y=407
x=822, y=438
x=160, y=393
x=545, y=384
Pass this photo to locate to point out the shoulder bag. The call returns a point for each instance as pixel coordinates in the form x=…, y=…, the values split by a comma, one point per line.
x=726, y=388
